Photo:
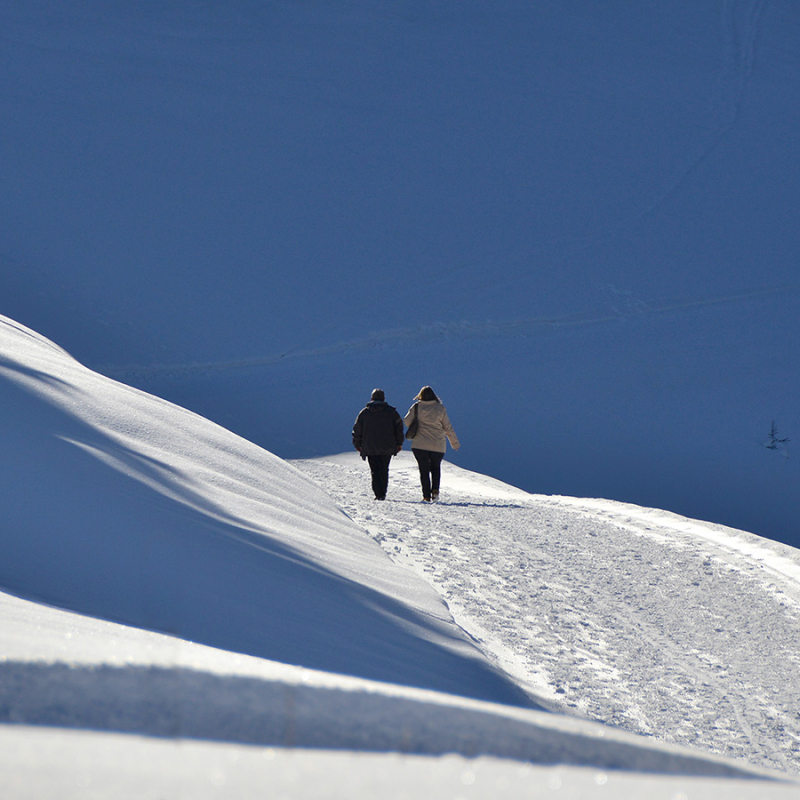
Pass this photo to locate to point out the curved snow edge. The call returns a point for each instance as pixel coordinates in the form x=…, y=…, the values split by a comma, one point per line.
x=192, y=704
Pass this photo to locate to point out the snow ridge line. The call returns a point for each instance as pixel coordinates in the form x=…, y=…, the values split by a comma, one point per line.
x=37, y=337
x=157, y=701
x=464, y=329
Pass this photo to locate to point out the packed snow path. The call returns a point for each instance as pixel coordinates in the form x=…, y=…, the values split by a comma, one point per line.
x=686, y=631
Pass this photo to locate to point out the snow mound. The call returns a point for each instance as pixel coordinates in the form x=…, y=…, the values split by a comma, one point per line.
x=120, y=505
x=66, y=670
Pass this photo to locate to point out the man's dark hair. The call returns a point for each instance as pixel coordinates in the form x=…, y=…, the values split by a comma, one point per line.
x=377, y=394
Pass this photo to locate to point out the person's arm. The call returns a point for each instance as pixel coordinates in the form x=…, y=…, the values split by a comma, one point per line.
x=449, y=432
x=358, y=433
x=399, y=438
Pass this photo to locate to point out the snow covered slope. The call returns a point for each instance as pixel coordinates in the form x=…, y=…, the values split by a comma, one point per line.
x=101, y=710
x=120, y=506
x=577, y=221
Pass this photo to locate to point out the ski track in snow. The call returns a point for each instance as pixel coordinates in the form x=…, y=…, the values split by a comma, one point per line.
x=629, y=308
x=602, y=608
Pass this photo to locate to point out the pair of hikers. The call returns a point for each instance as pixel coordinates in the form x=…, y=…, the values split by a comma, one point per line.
x=378, y=435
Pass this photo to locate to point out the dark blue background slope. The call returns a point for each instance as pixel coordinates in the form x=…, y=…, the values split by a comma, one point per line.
x=578, y=222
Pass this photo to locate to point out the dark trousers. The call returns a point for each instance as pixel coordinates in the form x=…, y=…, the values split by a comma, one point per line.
x=430, y=470
x=379, y=467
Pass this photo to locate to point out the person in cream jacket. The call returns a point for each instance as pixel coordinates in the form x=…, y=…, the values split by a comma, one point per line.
x=429, y=444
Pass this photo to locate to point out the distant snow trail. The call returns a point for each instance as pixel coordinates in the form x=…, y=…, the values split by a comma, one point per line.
x=460, y=330
x=682, y=630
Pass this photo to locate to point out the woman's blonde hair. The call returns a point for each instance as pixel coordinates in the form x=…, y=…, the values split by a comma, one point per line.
x=426, y=393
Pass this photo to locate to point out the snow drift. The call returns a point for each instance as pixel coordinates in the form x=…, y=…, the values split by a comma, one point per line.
x=123, y=506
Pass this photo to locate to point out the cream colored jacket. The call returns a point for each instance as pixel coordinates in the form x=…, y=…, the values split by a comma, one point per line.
x=434, y=426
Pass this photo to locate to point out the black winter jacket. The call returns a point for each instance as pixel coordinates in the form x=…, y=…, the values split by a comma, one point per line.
x=378, y=430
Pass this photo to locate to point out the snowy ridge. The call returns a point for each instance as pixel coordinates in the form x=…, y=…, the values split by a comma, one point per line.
x=110, y=677
x=159, y=518
x=260, y=616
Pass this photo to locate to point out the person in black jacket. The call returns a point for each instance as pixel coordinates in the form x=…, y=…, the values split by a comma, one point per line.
x=378, y=435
